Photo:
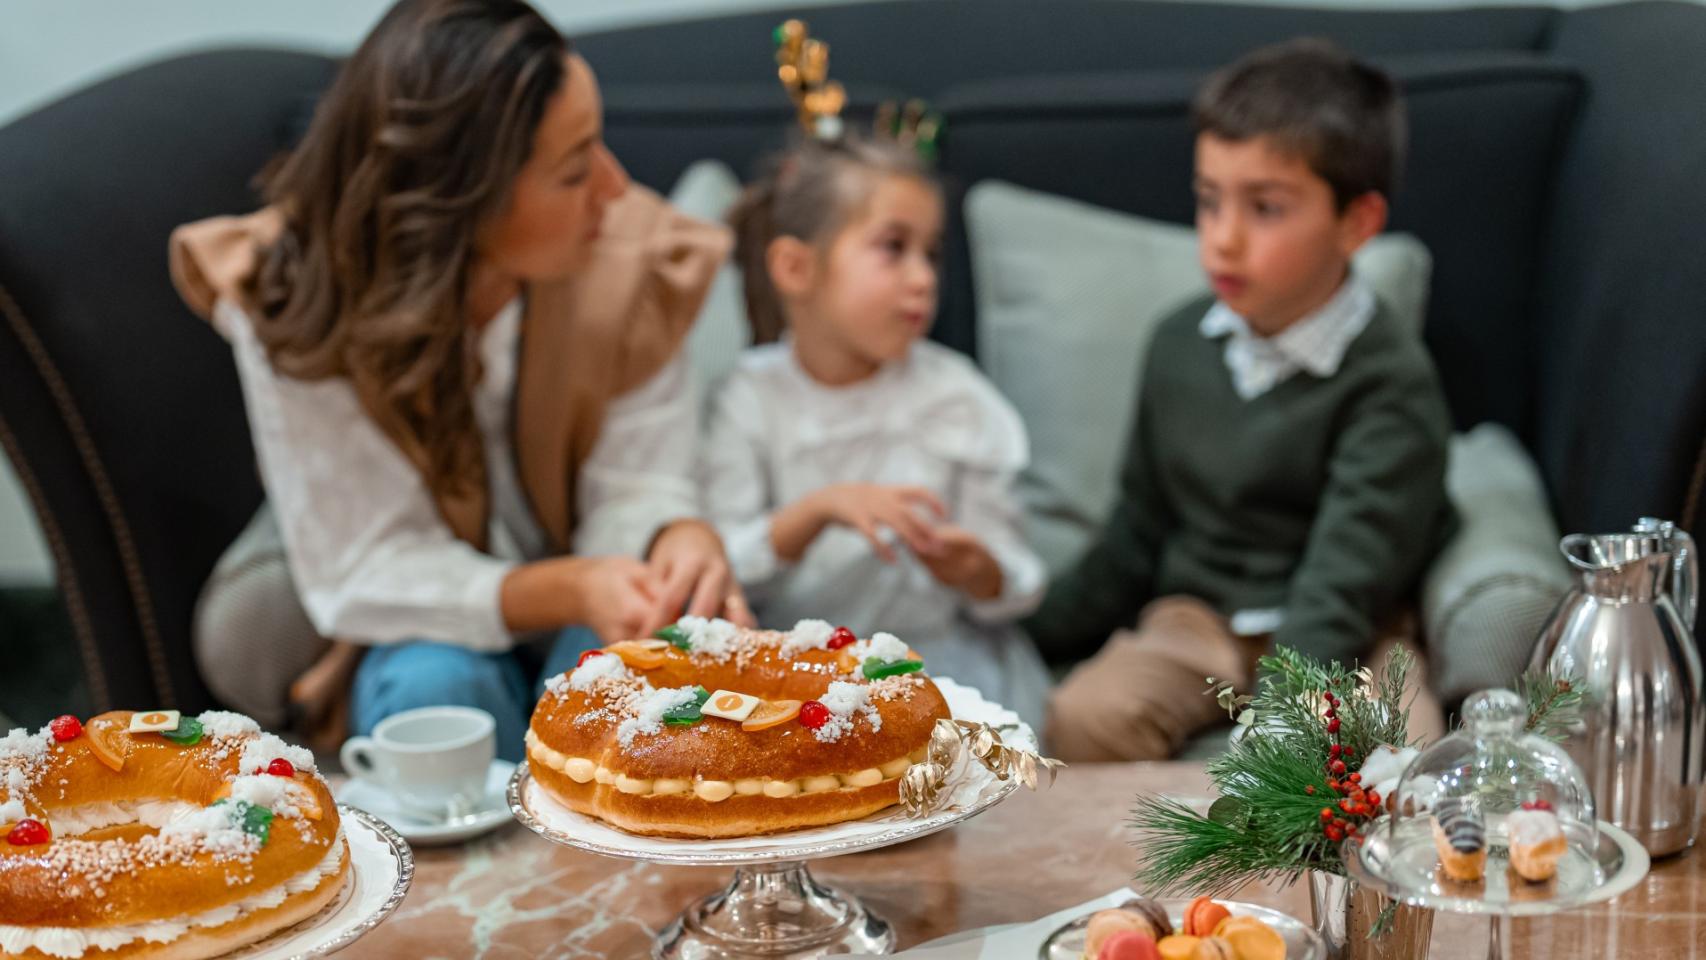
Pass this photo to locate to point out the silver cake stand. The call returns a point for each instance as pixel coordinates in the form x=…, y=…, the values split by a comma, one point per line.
x=1403, y=864
x=774, y=908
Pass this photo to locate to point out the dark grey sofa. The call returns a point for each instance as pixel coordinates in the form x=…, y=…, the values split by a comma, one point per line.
x=1555, y=173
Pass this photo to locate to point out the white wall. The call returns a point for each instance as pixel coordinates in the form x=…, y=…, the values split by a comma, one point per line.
x=51, y=47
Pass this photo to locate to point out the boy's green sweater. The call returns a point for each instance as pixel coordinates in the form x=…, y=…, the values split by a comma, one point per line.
x=1322, y=497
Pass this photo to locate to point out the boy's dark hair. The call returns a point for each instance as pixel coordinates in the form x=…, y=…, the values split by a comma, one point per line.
x=1342, y=116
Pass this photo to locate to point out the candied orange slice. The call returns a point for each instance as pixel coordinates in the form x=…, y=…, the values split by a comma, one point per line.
x=769, y=714
x=108, y=740
x=641, y=654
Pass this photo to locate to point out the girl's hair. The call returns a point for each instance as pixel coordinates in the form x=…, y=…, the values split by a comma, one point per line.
x=808, y=191
x=412, y=150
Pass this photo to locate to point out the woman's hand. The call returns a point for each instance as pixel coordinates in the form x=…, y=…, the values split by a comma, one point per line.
x=688, y=559
x=619, y=598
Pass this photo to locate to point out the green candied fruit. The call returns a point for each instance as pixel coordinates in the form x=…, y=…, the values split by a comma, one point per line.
x=688, y=713
x=186, y=734
x=254, y=821
x=876, y=669
x=675, y=637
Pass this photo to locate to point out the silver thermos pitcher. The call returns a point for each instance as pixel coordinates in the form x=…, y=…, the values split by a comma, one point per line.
x=1624, y=635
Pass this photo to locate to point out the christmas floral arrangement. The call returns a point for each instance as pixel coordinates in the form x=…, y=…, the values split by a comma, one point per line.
x=1320, y=753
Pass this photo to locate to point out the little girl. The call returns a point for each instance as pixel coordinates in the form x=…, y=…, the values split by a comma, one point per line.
x=859, y=473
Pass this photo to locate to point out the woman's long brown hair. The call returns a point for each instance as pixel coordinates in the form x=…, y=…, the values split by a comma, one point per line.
x=412, y=150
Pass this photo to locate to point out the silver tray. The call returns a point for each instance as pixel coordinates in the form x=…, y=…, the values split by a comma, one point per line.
x=1403, y=863
x=1301, y=941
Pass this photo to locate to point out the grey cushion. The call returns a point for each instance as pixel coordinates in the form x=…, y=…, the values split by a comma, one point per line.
x=1084, y=288
x=1492, y=588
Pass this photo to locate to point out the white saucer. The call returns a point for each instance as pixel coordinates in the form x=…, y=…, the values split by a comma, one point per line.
x=493, y=812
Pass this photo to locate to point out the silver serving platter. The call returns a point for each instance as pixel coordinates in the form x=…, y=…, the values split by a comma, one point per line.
x=532, y=806
x=1301, y=940
x=1403, y=863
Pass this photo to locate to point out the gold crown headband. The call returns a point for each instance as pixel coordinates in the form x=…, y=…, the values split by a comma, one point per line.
x=802, y=64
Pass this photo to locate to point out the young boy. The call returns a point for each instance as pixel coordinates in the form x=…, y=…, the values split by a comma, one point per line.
x=1284, y=479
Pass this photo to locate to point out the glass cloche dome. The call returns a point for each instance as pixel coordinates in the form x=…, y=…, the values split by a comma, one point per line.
x=1493, y=814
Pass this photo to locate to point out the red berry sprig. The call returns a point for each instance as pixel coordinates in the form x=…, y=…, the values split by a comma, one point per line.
x=65, y=728
x=813, y=714
x=27, y=833
x=842, y=637
x=1357, y=805
x=1537, y=804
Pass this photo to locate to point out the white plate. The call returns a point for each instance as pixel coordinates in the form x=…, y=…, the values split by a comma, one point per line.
x=493, y=812
x=381, y=868
x=975, y=792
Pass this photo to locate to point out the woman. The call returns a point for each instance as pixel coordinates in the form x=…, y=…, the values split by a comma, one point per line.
x=458, y=331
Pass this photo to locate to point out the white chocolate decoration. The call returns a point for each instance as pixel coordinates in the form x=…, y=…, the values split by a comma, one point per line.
x=154, y=721
x=730, y=705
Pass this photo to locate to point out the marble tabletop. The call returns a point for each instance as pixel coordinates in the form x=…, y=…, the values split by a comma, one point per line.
x=512, y=895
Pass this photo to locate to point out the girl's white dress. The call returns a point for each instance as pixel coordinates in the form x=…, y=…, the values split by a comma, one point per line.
x=930, y=420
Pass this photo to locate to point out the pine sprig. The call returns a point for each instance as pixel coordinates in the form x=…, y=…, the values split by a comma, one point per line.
x=1272, y=782
x=1554, y=705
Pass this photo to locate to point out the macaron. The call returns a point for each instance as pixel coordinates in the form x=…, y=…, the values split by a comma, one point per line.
x=1202, y=916
x=1251, y=938
x=1214, y=948
x=1178, y=947
x=1159, y=925
x=1105, y=923
x=1129, y=945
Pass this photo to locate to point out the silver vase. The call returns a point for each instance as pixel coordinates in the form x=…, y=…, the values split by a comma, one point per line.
x=1346, y=913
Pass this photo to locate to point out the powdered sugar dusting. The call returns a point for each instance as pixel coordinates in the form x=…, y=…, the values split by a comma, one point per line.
x=807, y=635
x=219, y=724
x=649, y=711
x=605, y=666
x=881, y=646
x=715, y=639
x=263, y=750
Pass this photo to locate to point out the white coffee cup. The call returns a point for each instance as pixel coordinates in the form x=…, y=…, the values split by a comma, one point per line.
x=432, y=760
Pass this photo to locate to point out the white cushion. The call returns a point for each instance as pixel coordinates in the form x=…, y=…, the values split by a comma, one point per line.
x=707, y=190
x=1068, y=295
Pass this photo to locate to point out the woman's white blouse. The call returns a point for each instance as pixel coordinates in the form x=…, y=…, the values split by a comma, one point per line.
x=372, y=559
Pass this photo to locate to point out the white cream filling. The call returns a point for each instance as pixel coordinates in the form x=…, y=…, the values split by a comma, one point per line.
x=78, y=820
x=72, y=942
x=582, y=770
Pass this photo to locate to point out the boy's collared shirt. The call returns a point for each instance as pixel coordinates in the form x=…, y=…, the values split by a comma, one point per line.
x=1316, y=343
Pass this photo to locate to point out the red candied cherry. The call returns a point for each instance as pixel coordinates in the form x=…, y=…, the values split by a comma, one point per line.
x=587, y=655
x=281, y=767
x=66, y=728
x=28, y=833
x=813, y=714
x=842, y=637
